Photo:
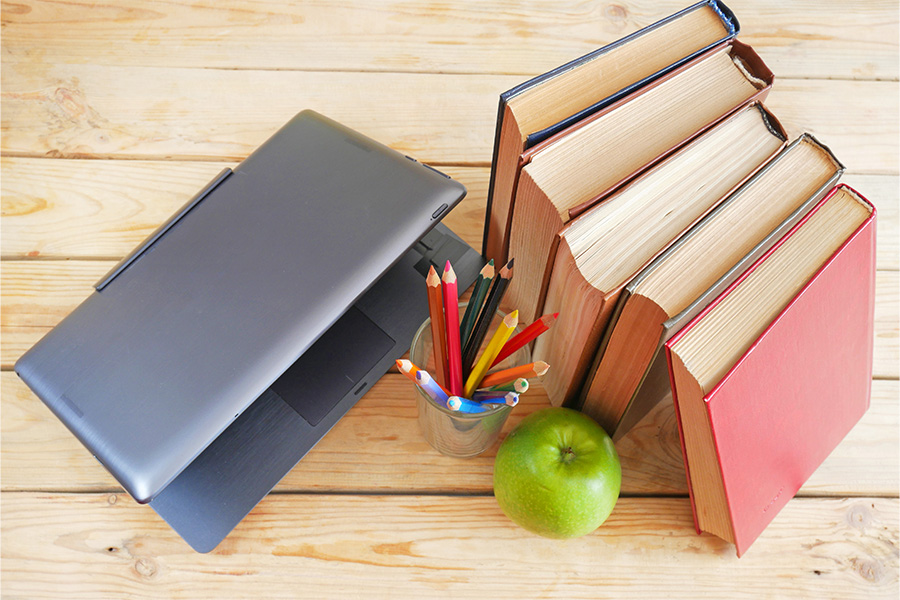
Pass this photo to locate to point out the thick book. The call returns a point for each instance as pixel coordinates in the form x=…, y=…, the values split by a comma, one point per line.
x=776, y=371
x=574, y=170
x=603, y=249
x=630, y=376
x=545, y=105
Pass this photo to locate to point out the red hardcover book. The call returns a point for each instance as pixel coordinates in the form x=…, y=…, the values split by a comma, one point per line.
x=754, y=429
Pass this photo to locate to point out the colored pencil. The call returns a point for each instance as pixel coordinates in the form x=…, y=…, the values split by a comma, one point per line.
x=535, y=369
x=486, y=396
x=431, y=388
x=501, y=282
x=510, y=399
x=519, y=386
x=457, y=404
x=438, y=330
x=525, y=336
x=490, y=352
x=476, y=301
x=451, y=316
x=409, y=369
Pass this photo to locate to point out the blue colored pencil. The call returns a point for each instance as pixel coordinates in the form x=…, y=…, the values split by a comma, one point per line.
x=462, y=405
x=510, y=399
x=431, y=387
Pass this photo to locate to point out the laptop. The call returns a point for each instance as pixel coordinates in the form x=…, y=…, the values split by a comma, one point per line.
x=210, y=360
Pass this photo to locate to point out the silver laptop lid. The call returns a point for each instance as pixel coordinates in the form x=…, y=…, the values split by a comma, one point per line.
x=193, y=326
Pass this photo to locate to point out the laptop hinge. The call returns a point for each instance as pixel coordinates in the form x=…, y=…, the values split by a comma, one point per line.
x=161, y=231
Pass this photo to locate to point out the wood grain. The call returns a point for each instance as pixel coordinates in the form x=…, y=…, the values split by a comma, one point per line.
x=103, y=209
x=85, y=110
x=104, y=545
x=182, y=89
x=800, y=39
x=37, y=294
x=369, y=449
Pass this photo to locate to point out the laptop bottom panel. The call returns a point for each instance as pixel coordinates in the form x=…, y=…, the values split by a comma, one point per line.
x=217, y=490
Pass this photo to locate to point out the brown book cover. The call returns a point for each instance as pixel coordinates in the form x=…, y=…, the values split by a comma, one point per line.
x=629, y=375
x=537, y=218
x=619, y=237
x=571, y=92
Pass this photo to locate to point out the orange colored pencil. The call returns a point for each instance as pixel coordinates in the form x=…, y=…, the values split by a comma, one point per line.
x=451, y=317
x=438, y=329
x=527, y=335
x=535, y=369
x=409, y=369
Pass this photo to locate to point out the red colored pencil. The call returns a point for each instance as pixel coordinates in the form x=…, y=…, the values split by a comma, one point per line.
x=451, y=317
x=438, y=329
x=527, y=335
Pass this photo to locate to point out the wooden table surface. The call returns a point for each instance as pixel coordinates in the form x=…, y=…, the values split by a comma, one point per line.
x=113, y=114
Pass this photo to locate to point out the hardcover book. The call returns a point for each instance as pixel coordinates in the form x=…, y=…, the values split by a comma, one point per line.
x=603, y=249
x=567, y=174
x=630, y=376
x=774, y=373
x=545, y=105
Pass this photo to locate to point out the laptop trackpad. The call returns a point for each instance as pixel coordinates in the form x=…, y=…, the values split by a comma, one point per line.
x=332, y=366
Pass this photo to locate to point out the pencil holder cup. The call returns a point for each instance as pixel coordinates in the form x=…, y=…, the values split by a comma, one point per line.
x=458, y=434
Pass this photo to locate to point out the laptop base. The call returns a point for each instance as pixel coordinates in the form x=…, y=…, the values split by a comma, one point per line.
x=223, y=484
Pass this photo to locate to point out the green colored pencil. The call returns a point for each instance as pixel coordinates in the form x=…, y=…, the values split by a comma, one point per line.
x=476, y=300
x=520, y=386
x=498, y=288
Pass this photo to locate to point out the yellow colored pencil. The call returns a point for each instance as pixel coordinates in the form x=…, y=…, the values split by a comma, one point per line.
x=504, y=331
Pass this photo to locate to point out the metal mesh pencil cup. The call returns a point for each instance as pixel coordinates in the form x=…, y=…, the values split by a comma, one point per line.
x=456, y=434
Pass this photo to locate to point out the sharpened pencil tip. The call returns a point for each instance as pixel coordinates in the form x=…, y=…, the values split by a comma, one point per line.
x=432, y=279
x=449, y=274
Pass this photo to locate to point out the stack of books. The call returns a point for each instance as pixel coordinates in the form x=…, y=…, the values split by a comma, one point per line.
x=689, y=247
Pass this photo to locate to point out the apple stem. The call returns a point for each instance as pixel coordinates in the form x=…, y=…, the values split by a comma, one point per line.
x=568, y=455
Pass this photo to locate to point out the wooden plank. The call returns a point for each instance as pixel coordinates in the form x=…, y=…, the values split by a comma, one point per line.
x=37, y=294
x=652, y=463
x=884, y=193
x=369, y=450
x=106, y=546
x=109, y=111
x=804, y=39
x=103, y=209
x=887, y=324
x=98, y=111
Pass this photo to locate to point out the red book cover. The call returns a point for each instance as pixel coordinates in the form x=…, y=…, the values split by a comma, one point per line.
x=798, y=390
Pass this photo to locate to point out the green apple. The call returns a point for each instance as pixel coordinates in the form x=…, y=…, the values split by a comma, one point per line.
x=557, y=474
